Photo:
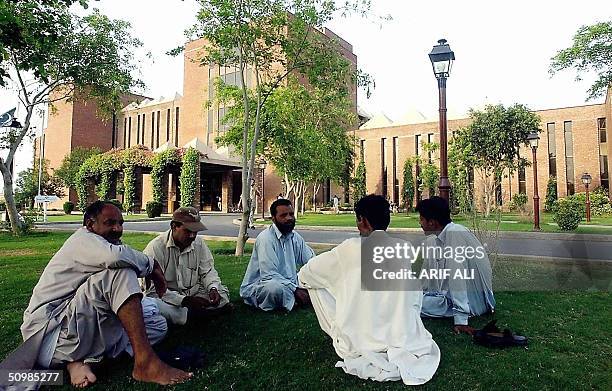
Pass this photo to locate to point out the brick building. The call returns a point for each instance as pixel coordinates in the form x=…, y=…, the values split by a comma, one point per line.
x=573, y=140
x=180, y=121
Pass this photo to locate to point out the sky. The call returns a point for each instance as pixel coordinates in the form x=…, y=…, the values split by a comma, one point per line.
x=502, y=50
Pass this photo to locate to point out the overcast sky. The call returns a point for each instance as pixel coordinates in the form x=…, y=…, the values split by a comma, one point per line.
x=502, y=50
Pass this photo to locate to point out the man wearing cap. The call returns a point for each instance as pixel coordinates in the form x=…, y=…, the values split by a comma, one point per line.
x=194, y=287
x=270, y=281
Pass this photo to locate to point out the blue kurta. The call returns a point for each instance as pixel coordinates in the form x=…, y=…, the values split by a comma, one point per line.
x=271, y=277
x=457, y=298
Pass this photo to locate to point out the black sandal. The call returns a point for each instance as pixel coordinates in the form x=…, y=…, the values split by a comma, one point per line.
x=491, y=336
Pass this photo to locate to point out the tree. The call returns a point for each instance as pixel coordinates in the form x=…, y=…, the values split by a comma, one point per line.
x=591, y=51
x=89, y=56
x=68, y=170
x=429, y=171
x=551, y=194
x=27, y=185
x=490, y=144
x=359, y=182
x=270, y=40
x=408, y=186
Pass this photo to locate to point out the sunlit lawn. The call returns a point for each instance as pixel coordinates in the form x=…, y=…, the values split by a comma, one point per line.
x=570, y=332
x=508, y=222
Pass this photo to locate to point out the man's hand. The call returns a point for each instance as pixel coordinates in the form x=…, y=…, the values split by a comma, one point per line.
x=215, y=297
x=157, y=276
x=464, y=329
x=301, y=296
x=196, y=303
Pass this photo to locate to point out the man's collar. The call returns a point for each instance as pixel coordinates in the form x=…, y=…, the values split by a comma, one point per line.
x=442, y=235
x=170, y=243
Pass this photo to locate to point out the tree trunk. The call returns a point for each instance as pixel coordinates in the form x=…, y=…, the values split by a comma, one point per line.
x=16, y=224
x=246, y=203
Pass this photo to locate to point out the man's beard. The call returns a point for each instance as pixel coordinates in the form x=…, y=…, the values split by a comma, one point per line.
x=285, y=228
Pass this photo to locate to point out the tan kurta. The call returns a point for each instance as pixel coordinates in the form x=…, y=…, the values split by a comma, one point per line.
x=190, y=272
x=72, y=313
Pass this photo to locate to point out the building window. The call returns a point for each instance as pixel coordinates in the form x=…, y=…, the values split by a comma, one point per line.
x=552, y=149
x=362, y=150
x=601, y=127
x=395, y=179
x=522, y=183
x=138, y=130
x=176, y=128
x=383, y=165
x=124, y=132
x=157, y=138
x=430, y=139
x=168, y=126
x=129, y=132
x=569, y=157
x=603, y=172
x=144, y=132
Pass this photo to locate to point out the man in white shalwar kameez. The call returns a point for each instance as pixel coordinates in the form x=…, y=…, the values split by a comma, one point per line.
x=378, y=335
x=88, y=305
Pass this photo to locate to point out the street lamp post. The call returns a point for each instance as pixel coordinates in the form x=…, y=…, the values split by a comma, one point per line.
x=533, y=139
x=586, y=179
x=442, y=58
x=262, y=167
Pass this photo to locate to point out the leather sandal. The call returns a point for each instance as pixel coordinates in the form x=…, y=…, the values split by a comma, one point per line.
x=491, y=336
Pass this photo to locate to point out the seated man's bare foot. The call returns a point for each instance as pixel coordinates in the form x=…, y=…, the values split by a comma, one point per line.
x=81, y=375
x=156, y=371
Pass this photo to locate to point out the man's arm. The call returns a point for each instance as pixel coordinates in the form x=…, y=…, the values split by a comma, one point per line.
x=209, y=277
x=320, y=271
x=156, y=250
x=305, y=252
x=94, y=251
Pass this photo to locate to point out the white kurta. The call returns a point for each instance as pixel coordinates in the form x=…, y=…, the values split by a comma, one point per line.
x=378, y=335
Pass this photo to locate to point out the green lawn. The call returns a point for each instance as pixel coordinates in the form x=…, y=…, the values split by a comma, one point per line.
x=509, y=222
x=570, y=332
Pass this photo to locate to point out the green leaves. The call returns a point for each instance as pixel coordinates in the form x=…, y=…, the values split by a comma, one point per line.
x=359, y=182
x=591, y=51
x=188, y=179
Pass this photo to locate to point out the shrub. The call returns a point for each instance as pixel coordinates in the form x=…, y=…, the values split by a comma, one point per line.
x=68, y=207
x=600, y=204
x=568, y=213
x=518, y=202
x=154, y=208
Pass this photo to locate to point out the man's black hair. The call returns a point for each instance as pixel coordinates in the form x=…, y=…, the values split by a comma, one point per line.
x=94, y=209
x=435, y=208
x=375, y=209
x=277, y=203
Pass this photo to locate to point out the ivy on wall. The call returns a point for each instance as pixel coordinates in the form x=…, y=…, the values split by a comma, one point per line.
x=188, y=180
x=100, y=168
x=159, y=164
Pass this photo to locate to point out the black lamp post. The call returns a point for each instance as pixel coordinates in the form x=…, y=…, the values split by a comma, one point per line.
x=262, y=167
x=533, y=139
x=586, y=179
x=442, y=58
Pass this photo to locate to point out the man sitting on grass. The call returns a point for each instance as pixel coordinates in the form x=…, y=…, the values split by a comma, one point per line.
x=194, y=286
x=88, y=305
x=378, y=333
x=270, y=281
x=453, y=247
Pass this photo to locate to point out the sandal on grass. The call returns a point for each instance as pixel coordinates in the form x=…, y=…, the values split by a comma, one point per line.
x=491, y=336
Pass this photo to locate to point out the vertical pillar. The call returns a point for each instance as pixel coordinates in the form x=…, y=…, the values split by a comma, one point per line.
x=227, y=193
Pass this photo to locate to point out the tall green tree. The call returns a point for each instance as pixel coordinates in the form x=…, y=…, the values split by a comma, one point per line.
x=359, y=182
x=266, y=41
x=591, y=51
x=491, y=144
x=71, y=163
x=408, y=186
x=89, y=57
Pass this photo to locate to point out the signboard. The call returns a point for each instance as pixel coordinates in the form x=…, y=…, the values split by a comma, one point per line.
x=46, y=198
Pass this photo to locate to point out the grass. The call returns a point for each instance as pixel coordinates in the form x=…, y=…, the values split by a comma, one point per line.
x=78, y=218
x=570, y=332
x=509, y=222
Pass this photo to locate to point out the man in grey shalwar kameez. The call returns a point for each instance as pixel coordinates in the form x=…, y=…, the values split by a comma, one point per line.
x=453, y=247
x=87, y=305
